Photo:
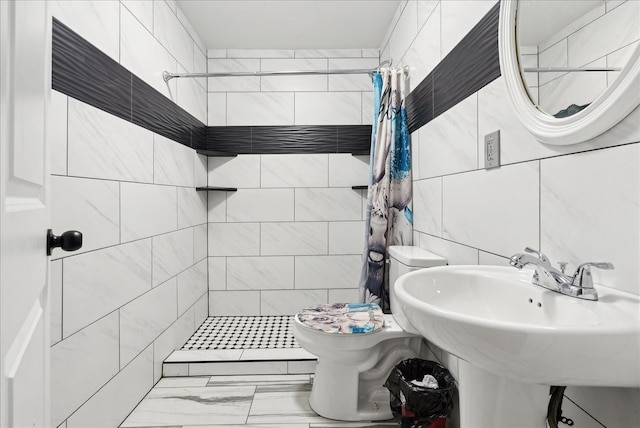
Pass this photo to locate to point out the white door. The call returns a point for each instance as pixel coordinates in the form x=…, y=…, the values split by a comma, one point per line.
x=25, y=60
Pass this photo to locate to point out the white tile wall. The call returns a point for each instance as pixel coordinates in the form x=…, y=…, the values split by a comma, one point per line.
x=99, y=282
x=427, y=206
x=424, y=53
x=457, y=18
x=285, y=302
x=330, y=108
x=234, y=303
x=346, y=170
x=598, y=192
x=507, y=202
x=289, y=100
x=234, y=239
x=199, y=242
x=142, y=320
x=448, y=144
x=109, y=406
x=173, y=36
x=90, y=206
x=299, y=238
x=172, y=254
x=327, y=272
x=81, y=365
x=298, y=231
x=260, y=273
x=192, y=285
x=240, y=172
x=217, y=273
x=247, y=205
x=147, y=210
x=132, y=194
x=294, y=83
x=346, y=237
x=260, y=108
x=172, y=163
x=294, y=170
x=328, y=204
x=191, y=207
x=104, y=146
x=142, y=10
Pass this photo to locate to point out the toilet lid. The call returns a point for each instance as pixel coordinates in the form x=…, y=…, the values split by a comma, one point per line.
x=344, y=318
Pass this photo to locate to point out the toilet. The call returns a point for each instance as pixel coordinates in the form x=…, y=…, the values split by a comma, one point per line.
x=357, y=346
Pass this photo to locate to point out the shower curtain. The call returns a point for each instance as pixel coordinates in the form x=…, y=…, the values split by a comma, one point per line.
x=389, y=217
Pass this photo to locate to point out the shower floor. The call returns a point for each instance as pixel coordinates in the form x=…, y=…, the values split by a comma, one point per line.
x=243, y=332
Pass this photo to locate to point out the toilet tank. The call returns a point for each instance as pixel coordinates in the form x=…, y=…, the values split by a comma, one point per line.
x=405, y=259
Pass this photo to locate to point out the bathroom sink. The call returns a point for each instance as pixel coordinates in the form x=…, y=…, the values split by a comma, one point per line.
x=495, y=319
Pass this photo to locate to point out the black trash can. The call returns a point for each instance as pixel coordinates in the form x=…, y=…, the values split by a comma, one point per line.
x=414, y=405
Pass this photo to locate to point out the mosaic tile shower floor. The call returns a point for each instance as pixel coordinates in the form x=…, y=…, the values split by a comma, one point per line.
x=243, y=332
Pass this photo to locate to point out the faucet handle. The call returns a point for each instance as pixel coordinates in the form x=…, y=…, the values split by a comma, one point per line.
x=539, y=254
x=582, y=278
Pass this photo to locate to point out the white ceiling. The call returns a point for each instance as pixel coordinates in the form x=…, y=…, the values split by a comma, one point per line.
x=290, y=24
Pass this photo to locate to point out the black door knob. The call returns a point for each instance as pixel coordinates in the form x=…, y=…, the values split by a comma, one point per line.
x=70, y=240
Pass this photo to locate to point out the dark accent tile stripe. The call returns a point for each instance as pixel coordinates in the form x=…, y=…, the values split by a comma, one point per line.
x=288, y=139
x=419, y=104
x=471, y=65
x=354, y=139
x=82, y=71
x=229, y=139
x=294, y=139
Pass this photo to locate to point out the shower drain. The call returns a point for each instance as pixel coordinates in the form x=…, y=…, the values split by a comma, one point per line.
x=244, y=332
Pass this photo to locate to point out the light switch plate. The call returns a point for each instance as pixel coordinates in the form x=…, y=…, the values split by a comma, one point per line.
x=492, y=150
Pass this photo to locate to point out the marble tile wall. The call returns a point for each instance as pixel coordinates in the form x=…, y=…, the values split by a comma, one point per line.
x=542, y=196
x=290, y=100
x=292, y=234
x=138, y=287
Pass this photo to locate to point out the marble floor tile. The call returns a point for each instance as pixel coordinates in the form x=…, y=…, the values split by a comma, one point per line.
x=284, y=407
x=195, y=406
x=258, y=380
x=182, y=381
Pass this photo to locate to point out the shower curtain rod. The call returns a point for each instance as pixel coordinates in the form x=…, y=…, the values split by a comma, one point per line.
x=168, y=76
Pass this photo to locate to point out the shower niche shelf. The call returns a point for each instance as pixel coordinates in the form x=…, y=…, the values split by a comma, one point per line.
x=215, y=189
x=215, y=153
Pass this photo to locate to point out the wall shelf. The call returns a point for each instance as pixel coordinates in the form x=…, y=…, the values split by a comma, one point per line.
x=216, y=189
x=214, y=153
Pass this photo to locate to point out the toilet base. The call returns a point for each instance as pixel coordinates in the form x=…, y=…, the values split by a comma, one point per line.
x=350, y=392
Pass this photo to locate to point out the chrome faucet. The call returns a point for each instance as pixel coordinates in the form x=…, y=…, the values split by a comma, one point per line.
x=579, y=285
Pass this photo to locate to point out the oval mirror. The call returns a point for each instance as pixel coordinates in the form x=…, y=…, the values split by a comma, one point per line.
x=571, y=67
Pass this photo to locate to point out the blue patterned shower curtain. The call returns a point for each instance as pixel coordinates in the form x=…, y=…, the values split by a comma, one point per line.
x=389, y=216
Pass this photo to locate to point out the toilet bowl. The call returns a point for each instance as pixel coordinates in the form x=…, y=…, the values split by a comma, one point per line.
x=357, y=347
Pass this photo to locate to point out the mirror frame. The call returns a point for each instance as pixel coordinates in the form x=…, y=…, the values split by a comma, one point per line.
x=620, y=98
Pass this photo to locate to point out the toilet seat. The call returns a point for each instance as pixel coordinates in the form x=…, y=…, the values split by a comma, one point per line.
x=343, y=318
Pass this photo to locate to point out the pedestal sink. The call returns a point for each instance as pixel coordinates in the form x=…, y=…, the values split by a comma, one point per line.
x=515, y=338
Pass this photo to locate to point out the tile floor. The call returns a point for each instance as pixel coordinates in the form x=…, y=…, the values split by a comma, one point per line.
x=257, y=401
x=243, y=332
